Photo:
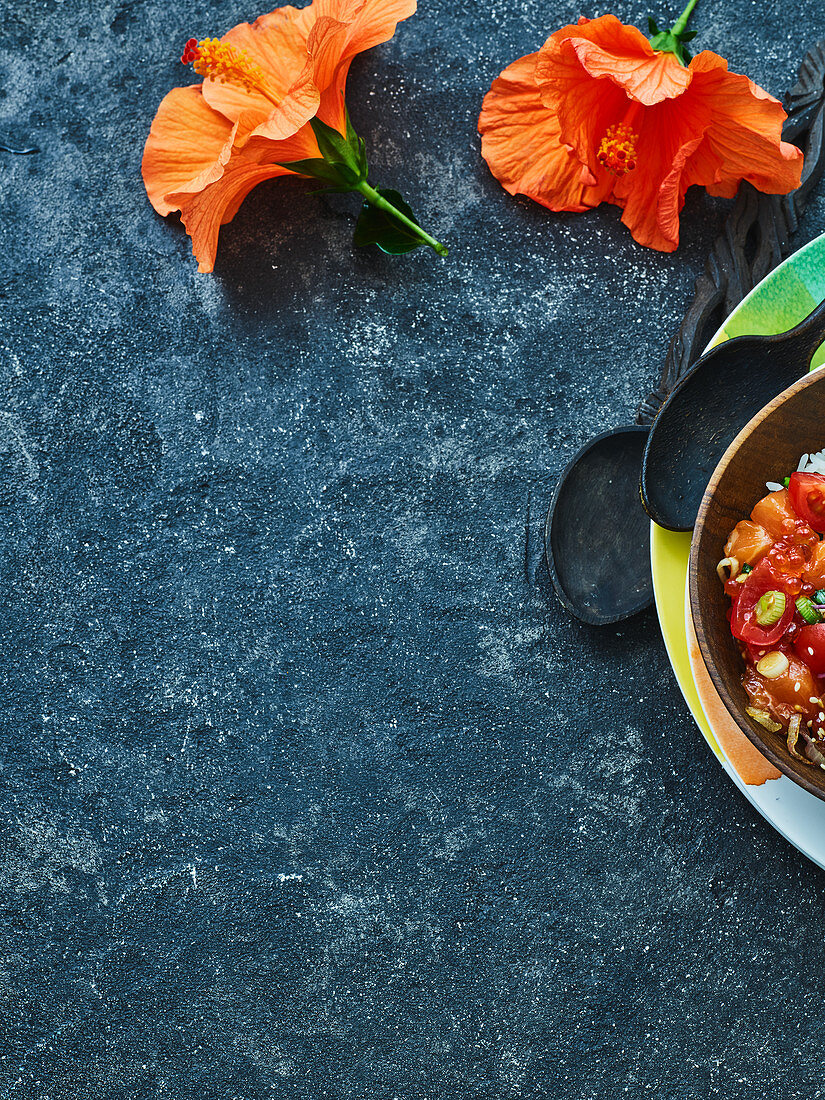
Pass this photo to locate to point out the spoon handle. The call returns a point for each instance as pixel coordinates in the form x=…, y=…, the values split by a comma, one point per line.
x=756, y=237
x=803, y=340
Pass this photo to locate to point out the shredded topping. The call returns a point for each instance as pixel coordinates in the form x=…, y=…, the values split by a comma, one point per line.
x=793, y=737
x=763, y=718
x=731, y=564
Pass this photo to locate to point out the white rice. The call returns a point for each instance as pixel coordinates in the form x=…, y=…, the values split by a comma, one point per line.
x=813, y=464
x=809, y=463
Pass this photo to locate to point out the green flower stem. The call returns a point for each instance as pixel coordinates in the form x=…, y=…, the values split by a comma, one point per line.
x=682, y=21
x=372, y=197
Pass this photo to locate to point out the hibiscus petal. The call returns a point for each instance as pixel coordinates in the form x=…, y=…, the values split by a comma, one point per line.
x=323, y=69
x=520, y=142
x=672, y=194
x=302, y=53
x=744, y=139
x=586, y=105
x=276, y=43
x=370, y=22
x=187, y=147
x=324, y=47
x=204, y=213
x=606, y=48
x=585, y=113
x=653, y=194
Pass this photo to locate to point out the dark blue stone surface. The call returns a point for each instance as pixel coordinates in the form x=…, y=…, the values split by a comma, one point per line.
x=309, y=788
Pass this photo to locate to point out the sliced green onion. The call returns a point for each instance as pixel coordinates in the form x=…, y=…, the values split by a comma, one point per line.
x=807, y=610
x=747, y=568
x=770, y=608
x=786, y=482
x=819, y=595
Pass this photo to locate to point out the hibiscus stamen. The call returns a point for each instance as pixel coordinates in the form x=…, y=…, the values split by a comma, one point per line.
x=617, y=150
x=191, y=52
x=223, y=62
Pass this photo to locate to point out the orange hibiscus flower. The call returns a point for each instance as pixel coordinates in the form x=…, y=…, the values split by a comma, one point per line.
x=601, y=114
x=270, y=89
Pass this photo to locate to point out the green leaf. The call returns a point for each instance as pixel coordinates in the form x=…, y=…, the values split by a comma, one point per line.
x=340, y=177
x=663, y=41
x=341, y=150
x=332, y=145
x=316, y=168
x=651, y=25
x=687, y=36
x=343, y=160
x=378, y=227
x=357, y=145
x=667, y=42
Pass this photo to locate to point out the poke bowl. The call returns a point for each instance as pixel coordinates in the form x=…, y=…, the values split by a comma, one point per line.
x=757, y=581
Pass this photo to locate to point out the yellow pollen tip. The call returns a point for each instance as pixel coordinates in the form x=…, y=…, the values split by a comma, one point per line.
x=617, y=150
x=227, y=64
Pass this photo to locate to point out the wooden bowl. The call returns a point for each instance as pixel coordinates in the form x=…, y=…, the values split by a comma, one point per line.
x=767, y=449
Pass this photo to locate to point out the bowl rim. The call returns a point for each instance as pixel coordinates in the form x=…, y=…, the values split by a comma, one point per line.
x=765, y=747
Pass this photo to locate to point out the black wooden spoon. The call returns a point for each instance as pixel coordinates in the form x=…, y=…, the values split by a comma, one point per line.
x=708, y=409
x=601, y=570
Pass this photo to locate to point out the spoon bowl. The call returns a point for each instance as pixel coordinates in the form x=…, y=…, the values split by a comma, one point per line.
x=596, y=534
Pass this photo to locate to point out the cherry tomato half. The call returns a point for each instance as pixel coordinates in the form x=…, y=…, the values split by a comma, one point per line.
x=743, y=622
x=807, y=493
x=810, y=645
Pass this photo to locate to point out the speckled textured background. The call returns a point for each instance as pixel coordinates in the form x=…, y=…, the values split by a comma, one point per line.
x=309, y=789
